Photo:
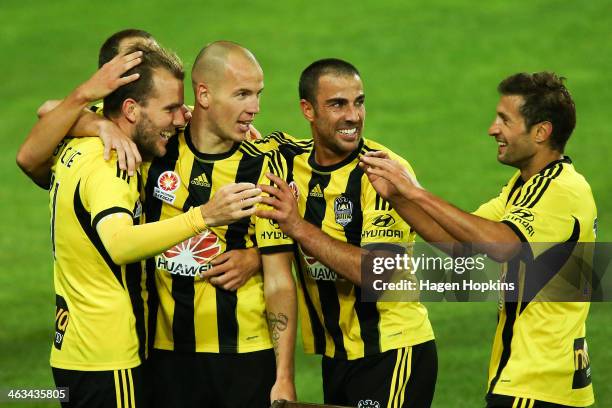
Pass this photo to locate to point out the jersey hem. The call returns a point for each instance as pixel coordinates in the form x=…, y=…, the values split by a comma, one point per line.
x=217, y=350
x=392, y=346
x=542, y=397
x=121, y=365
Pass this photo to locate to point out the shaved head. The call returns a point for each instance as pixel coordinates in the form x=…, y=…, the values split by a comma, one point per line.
x=217, y=57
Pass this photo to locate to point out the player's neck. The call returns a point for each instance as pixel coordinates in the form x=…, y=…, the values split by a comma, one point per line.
x=204, y=140
x=539, y=162
x=326, y=157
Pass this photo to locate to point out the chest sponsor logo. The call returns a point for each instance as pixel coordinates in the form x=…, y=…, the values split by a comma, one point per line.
x=191, y=257
x=201, y=181
x=316, y=192
x=524, y=214
x=62, y=318
x=316, y=270
x=167, y=183
x=343, y=209
x=383, y=221
x=382, y=233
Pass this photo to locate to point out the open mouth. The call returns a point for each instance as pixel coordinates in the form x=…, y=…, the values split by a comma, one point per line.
x=244, y=125
x=167, y=134
x=349, y=134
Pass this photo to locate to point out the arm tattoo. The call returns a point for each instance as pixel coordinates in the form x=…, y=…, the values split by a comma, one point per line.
x=277, y=324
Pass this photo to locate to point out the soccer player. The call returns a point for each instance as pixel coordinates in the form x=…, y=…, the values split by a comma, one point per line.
x=540, y=356
x=95, y=211
x=205, y=334
x=374, y=354
x=210, y=340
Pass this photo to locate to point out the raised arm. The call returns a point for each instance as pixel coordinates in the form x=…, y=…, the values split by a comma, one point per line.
x=36, y=151
x=127, y=243
x=453, y=224
x=343, y=258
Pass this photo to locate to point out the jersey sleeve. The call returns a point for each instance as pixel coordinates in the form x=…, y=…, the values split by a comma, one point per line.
x=109, y=190
x=381, y=223
x=270, y=238
x=546, y=217
x=494, y=209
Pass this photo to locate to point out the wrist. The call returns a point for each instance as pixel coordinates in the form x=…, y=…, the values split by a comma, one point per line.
x=79, y=96
x=299, y=229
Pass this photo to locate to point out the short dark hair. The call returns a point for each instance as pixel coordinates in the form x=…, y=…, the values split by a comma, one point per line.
x=546, y=99
x=309, y=80
x=154, y=57
x=110, y=47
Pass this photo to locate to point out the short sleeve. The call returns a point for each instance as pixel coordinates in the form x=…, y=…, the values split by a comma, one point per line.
x=381, y=223
x=547, y=218
x=109, y=190
x=270, y=238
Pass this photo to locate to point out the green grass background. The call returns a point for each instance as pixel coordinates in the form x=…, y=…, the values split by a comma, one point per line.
x=430, y=70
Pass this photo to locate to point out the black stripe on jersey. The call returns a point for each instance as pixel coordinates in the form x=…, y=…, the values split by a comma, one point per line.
x=531, y=189
x=122, y=174
x=274, y=163
x=517, y=185
x=248, y=171
x=183, y=289
x=250, y=149
x=512, y=275
x=367, y=312
x=330, y=304
x=133, y=278
x=152, y=208
x=84, y=218
x=549, y=179
x=545, y=267
x=109, y=211
x=318, y=333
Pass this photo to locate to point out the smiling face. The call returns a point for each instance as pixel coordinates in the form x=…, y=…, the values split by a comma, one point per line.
x=160, y=116
x=516, y=144
x=337, y=117
x=233, y=101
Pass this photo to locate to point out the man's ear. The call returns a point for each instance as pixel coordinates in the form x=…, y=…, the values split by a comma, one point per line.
x=307, y=110
x=202, y=94
x=543, y=131
x=130, y=110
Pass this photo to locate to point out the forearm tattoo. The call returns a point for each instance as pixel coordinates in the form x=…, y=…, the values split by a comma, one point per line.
x=277, y=324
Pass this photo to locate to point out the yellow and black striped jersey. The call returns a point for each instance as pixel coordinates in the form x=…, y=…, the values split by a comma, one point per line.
x=540, y=349
x=192, y=314
x=100, y=316
x=340, y=200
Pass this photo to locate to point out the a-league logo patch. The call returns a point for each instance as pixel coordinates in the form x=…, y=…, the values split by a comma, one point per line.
x=167, y=183
x=343, y=209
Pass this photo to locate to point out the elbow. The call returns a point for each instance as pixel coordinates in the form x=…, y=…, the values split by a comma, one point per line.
x=503, y=252
x=118, y=257
x=46, y=107
x=24, y=162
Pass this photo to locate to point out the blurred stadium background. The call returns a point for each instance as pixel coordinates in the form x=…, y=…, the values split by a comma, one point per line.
x=430, y=70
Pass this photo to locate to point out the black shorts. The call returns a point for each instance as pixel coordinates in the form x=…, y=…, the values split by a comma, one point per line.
x=405, y=376
x=505, y=401
x=189, y=380
x=101, y=389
